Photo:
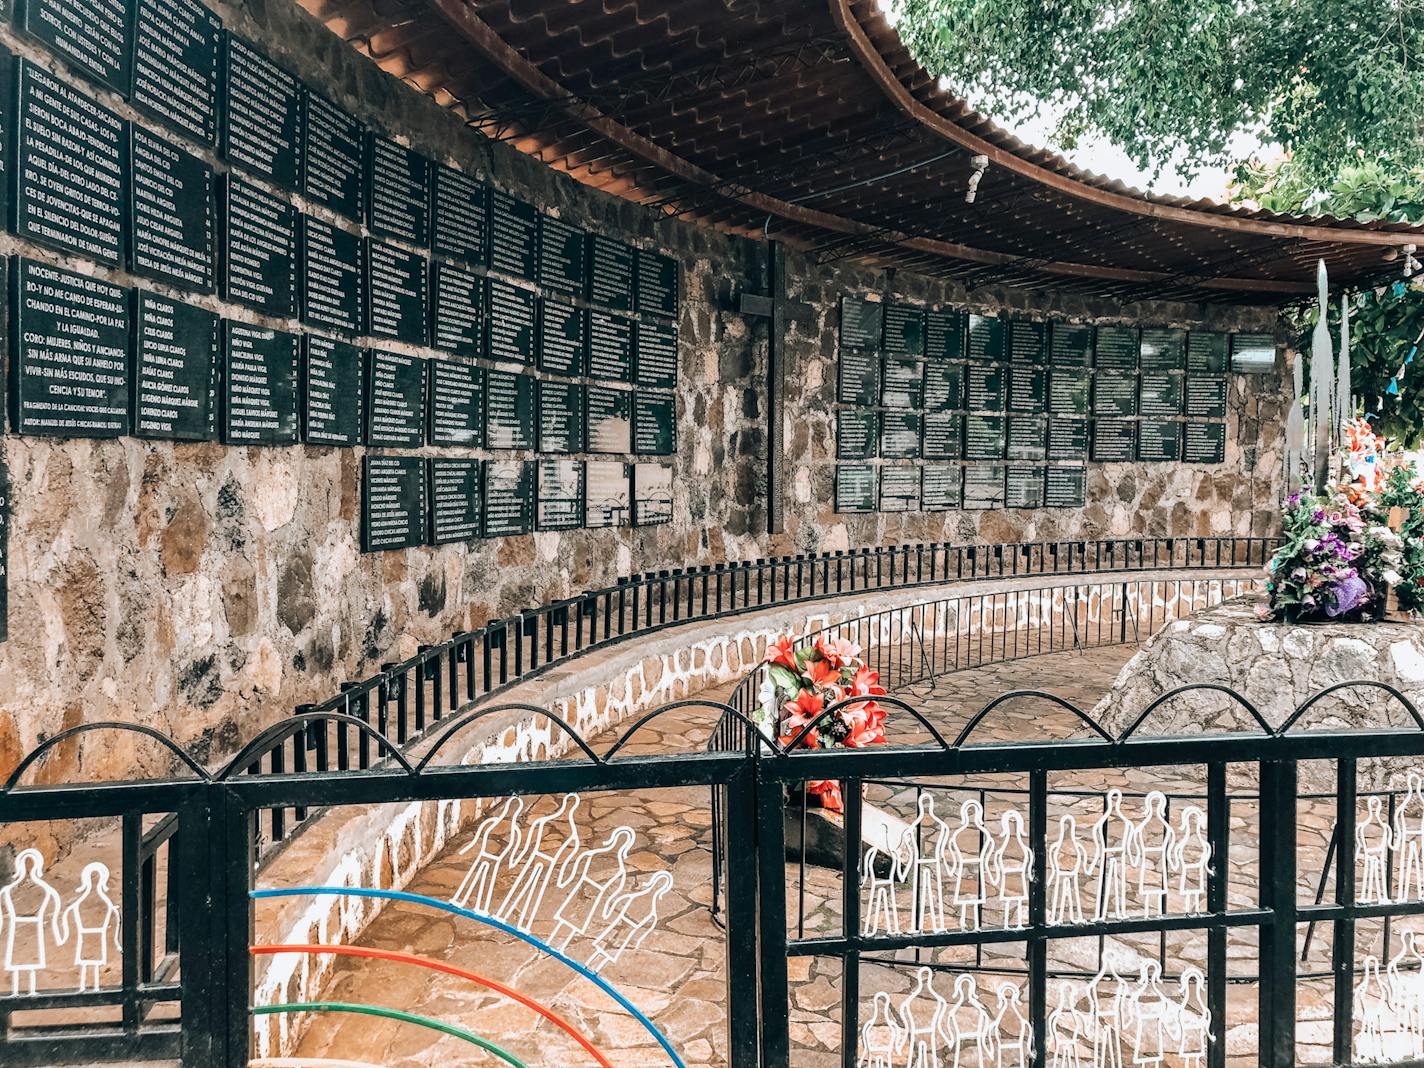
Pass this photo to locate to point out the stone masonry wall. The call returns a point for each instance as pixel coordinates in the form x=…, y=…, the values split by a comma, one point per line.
x=206, y=589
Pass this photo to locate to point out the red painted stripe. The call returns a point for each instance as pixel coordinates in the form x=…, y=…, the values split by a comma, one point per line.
x=448, y=969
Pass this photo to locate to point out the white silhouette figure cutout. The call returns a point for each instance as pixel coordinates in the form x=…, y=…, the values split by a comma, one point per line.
x=1112, y=837
x=27, y=933
x=590, y=889
x=535, y=866
x=1409, y=841
x=968, y=853
x=476, y=890
x=1065, y=1029
x=967, y=1020
x=1066, y=861
x=928, y=873
x=1370, y=1003
x=1150, y=846
x=1012, y=1034
x=94, y=919
x=1373, y=840
x=635, y=914
x=882, y=911
x=882, y=1038
x=1011, y=869
x=1105, y=1019
x=1153, y=1016
x=922, y=1023
x=1191, y=856
x=1193, y=1019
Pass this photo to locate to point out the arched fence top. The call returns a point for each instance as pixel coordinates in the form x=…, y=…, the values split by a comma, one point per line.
x=1189, y=688
x=726, y=710
x=1371, y=684
x=471, y=718
x=1040, y=695
x=262, y=744
x=850, y=702
x=45, y=746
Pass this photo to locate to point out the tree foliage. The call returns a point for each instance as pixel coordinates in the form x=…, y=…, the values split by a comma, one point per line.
x=1173, y=81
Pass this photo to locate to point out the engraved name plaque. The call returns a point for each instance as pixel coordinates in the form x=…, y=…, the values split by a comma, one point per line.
x=562, y=344
x=607, y=484
x=262, y=115
x=171, y=232
x=510, y=415
x=513, y=312
x=259, y=264
x=561, y=490
x=456, y=499
x=175, y=66
x=395, y=400
x=261, y=369
x=457, y=415
x=393, y=500
x=175, y=370
x=857, y=488
x=333, y=391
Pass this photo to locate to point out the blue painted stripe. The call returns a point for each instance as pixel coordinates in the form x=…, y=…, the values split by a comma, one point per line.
x=445, y=906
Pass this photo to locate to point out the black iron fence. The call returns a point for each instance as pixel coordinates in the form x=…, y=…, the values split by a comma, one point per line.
x=183, y=987
x=406, y=700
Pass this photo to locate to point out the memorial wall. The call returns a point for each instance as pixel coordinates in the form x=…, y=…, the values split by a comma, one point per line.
x=302, y=372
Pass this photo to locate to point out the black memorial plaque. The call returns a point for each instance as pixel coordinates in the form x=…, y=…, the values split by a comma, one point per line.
x=902, y=382
x=1028, y=342
x=562, y=346
x=561, y=489
x=1027, y=437
x=1116, y=348
x=69, y=169
x=92, y=36
x=333, y=391
x=259, y=262
x=509, y=497
x=610, y=420
x=1114, y=440
x=899, y=489
x=69, y=355
x=1204, y=443
x=397, y=293
x=610, y=273
x=858, y=377
x=1253, y=354
x=395, y=400
x=656, y=283
x=563, y=257
x=170, y=211
x=1068, y=438
x=1028, y=388
x=1163, y=349
x=514, y=236
x=610, y=346
x=513, y=313
x=510, y=411
x=944, y=335
x=262, y=115
x=944, y=436
x=261, y=369
x=861, y=322
x=985, y=437
x=655, y=355
x=562, y=406
x=654, y=424
x=904, y=330
x=652, y=494
x=1069, y=390
x=857, y=433
x=1023, y=487
x=8, y=124
x=175, y=66
x=398, y=191
x=1206, y=398
x=457, y=409
x=984, y=486
x=333, y=157
x=1159, y=440
x=857, y=488
x=175, y=370
x=460, y=227
x=1208, y=352
x=1159, y=394
x=941, y=487
x=1065, y=487
x=900, y=435
x=988, y=338
x=986, y=388
x=393, y=502
x=458, y=311
x=1070, y=345
x=456, y=499
x=1114, y=394
x=944, y=386
x=606, y=487
x=333, y=277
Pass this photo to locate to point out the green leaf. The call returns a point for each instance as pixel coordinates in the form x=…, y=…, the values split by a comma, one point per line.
x=784, y=679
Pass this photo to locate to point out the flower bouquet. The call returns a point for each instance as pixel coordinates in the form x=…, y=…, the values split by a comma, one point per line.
x=801, y=683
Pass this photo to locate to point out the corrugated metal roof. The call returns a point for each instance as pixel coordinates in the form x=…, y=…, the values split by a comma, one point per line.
x=813, y=115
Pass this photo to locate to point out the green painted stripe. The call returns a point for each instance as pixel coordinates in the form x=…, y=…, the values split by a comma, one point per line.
x=392, y=1014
